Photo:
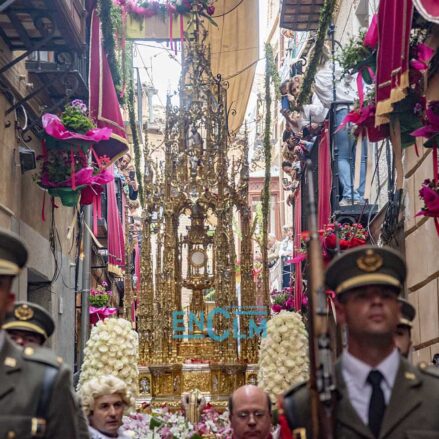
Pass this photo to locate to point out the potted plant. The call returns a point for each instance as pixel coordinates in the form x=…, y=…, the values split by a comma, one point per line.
x=357, y=57
x=282, y=300
x=98, y=299
x=65, y=166
x=349, y=236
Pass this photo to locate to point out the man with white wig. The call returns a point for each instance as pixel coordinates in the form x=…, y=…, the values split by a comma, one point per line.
x=104, y=400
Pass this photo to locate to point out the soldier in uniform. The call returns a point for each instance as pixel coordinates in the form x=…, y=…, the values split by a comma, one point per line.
x=403, y=334
x=379, y=394
x=36, y=397
x=28, y=323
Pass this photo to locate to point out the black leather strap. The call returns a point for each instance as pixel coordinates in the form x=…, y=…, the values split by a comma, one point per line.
x=50, y=374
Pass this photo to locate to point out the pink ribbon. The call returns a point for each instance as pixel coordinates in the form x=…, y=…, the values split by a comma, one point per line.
x=55, y=128
x=371, y=37
x=423, y=57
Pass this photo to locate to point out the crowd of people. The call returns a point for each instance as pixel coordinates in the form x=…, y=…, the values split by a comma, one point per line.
x=380, y=394
x=303, y=123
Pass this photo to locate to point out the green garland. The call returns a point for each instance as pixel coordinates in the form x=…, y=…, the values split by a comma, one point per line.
x=134, y=132
x=270, y=68
x=111, y=25
x=324, y=22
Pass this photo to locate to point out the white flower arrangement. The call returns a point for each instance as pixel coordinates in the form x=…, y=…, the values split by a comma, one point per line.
x=112, y=349
x=283, y=355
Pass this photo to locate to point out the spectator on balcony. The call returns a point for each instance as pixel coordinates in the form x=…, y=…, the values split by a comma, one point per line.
x=286, y=253
x=128, y=176
x=273, y=246
x=343, y=140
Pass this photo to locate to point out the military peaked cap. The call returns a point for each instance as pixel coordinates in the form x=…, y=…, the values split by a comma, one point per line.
x=408, y=313
x=30, y=317
x=366, y=265
x=13, y=253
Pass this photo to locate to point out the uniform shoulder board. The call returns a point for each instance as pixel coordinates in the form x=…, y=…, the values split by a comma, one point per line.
x=41, y=355
x=429, y=370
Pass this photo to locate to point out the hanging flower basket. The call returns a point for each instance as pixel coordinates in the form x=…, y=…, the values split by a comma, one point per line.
x=73, y=128
x=67, y=195
x=366, y=68
x=65, y=161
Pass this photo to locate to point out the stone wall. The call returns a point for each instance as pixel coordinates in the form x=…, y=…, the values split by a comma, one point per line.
x=422, y=250
x=21, y=203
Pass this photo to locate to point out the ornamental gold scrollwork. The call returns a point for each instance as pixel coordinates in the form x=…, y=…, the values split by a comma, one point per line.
x=196, y=380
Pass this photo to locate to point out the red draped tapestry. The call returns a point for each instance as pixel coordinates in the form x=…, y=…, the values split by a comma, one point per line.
x=392, y=76
x=325, y=179
x=103, y=102
x=116, y=240
x=297, y=244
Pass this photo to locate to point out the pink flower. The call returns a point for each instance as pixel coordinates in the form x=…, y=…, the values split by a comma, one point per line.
x=276, y=308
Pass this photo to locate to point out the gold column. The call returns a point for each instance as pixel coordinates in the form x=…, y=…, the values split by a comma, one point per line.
x=128, y=287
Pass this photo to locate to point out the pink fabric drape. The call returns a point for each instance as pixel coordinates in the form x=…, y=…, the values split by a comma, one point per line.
x=116, y=239
x=103, y=103
x=325, y=179
x=297, y=242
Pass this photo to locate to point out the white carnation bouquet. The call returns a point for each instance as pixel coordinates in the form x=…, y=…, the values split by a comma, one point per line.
x=112, y=349
x=283, y=355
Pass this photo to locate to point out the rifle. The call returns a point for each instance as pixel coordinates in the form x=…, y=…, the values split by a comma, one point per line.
x=322, y=376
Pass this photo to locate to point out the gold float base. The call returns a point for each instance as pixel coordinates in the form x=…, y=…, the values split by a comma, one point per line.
x=165, y=384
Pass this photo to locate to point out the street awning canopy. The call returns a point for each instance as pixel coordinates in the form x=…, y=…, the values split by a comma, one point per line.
x=234, y=46
x=301, y=15
x=235, y=52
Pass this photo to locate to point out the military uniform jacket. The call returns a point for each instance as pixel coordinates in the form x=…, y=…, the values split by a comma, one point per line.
x=22, y=373
x=412, y=413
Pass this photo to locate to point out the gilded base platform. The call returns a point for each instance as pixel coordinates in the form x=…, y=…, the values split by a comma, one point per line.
x=166, y=384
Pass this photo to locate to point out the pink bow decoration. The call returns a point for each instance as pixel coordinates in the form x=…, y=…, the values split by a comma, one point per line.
x=431, y=200
x=431, y=128
x=371, y=37
x=299, y=258
x=55, y=128
x=364, y=119
x=97, y=314
x=423, y=57
x=95, y=187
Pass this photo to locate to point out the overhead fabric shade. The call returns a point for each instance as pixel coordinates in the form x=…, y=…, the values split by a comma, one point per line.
x=235, y=52
x=234, y=46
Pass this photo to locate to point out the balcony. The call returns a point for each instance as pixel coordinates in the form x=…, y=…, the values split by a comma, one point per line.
x=50, y=36
x=30, y=25
x=301, y=15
